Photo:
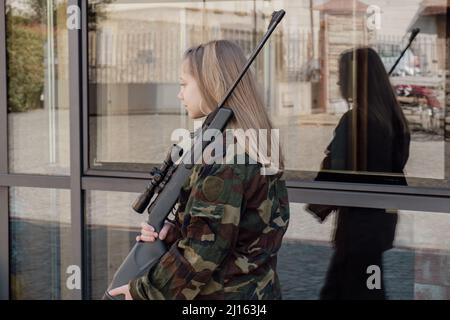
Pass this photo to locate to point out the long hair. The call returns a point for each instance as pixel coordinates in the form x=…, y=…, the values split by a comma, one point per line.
x=365, y=83
x=215, y=65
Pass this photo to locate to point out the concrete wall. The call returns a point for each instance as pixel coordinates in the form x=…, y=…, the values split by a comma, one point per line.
x=133, y=98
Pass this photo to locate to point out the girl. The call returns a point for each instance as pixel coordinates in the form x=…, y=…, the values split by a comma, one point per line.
x=231, y=218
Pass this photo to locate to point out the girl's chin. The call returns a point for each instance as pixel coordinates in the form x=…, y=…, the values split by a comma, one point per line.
x=195, y=116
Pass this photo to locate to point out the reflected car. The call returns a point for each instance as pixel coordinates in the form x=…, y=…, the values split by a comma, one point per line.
x=421, y=107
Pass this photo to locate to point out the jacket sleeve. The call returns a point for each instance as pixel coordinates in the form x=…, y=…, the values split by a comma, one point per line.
x=209, y=230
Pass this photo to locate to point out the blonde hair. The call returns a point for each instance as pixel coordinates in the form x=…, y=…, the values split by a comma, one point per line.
x=215, y=66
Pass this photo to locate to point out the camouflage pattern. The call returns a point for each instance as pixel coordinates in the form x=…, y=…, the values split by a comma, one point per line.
x=228, y=229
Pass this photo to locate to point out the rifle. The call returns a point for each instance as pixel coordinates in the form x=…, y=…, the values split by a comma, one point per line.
x=413, y=35
x=166, y=182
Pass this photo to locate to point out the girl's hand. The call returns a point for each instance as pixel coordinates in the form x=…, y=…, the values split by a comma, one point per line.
x=125, y=290
x=148, y=233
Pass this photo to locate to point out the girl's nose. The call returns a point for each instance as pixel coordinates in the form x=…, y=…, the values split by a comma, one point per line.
x=180, y=95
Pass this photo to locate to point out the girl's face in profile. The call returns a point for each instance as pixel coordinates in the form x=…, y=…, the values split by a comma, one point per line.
x=189, y=94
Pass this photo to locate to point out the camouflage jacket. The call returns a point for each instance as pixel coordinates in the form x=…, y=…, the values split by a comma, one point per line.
x=228, y=229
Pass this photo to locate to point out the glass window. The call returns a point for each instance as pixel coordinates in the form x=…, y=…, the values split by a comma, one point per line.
x=41, y=243
x=410, y=247
x=38, y=96
x=334, y=105
x=134, y=60
x=111, y=230
x=416, y=267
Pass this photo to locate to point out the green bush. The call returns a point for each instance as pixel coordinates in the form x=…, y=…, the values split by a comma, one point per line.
x=25, y=65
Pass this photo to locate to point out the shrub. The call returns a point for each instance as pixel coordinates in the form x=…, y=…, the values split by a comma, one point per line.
x=25, y=64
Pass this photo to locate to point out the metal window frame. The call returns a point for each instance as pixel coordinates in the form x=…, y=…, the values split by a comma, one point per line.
x=83, y=179
x=76, y=154
x=72, y=182
x=294, y=184
x=4, y=201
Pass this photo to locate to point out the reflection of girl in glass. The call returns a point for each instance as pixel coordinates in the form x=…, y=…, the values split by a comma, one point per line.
x=231, y=218
x=372, y=137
